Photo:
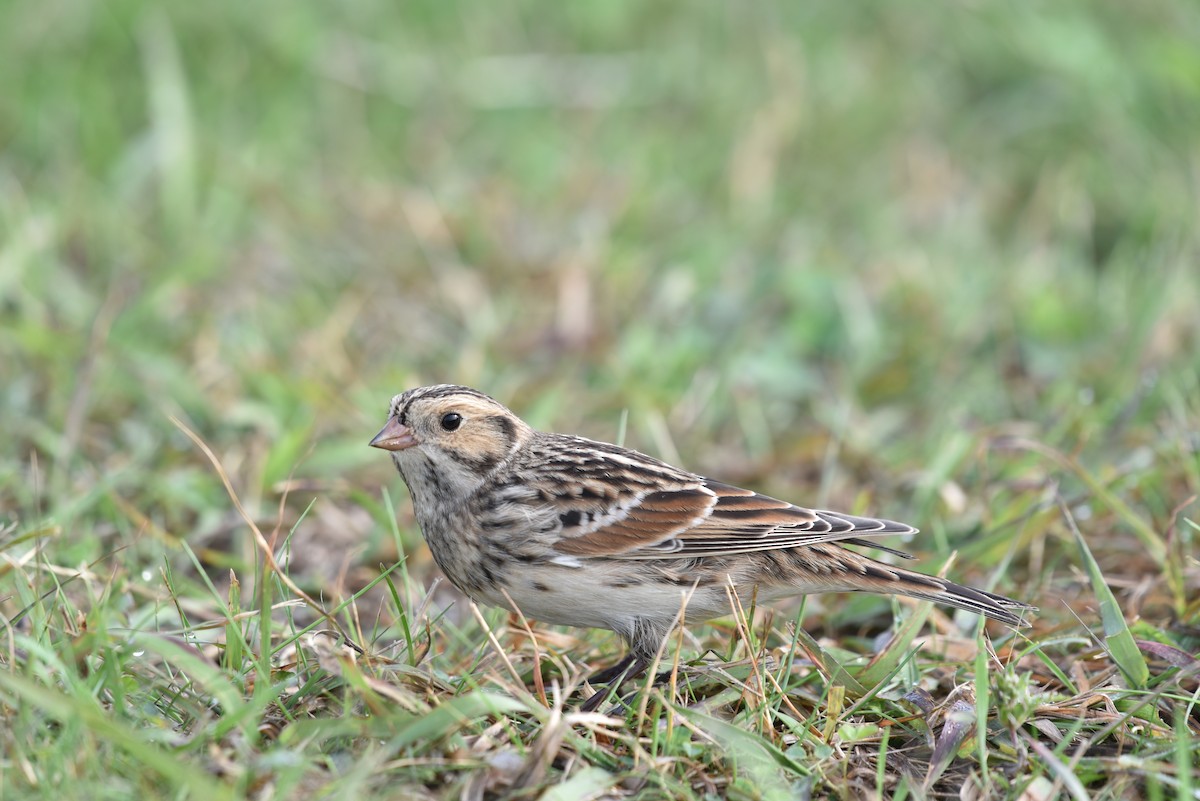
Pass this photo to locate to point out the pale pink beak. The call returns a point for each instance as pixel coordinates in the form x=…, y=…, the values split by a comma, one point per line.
x=395, y=436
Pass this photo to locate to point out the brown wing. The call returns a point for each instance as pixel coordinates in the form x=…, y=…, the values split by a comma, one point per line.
x=708, y=518
x=648, y=521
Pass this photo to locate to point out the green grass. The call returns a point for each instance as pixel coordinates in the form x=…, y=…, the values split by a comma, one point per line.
x=936, y=263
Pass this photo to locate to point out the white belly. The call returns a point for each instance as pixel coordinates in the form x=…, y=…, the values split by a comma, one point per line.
x=601, y=599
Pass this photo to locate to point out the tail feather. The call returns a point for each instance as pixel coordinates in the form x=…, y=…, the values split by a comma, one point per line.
x=941, y=591
x=828, y=567
x=889, y=580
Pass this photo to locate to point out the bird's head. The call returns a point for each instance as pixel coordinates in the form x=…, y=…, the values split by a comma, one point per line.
x=458, y=433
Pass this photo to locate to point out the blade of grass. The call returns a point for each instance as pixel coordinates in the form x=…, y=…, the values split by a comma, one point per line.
x=1147, y=536
x=898, y=649
x=263, y=546
x=982, y=705
x=1117, y=637
x=183, y=776
x=758, y=758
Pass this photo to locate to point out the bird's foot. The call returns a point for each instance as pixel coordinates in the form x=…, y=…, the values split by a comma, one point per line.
x=612, y=678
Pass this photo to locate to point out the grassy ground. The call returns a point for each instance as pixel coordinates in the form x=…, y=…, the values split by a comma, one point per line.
x=938, y=264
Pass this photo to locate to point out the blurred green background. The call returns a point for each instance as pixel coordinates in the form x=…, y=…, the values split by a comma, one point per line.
x=937, y=261
x=833, y=250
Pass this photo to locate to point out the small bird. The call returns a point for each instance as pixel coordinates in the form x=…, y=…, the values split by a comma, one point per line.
x=576, y=532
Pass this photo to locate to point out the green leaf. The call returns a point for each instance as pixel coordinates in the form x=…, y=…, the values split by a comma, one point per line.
x=1117, y=637
x=898, y=650
x=752, y=755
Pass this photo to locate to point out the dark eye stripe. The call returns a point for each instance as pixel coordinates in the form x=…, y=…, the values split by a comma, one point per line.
x=503, y=425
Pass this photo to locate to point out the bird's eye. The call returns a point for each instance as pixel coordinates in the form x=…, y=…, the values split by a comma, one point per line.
x=451, y=421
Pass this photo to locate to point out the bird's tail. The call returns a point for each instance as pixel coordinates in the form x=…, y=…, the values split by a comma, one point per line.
x=897, y=581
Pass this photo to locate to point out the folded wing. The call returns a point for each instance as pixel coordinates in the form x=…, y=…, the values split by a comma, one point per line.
x=709, y=518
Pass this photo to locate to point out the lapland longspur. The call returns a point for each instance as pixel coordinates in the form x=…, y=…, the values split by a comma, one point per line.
x=584, y=533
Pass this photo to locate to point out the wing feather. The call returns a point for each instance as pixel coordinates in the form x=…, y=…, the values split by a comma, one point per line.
x=708, y=518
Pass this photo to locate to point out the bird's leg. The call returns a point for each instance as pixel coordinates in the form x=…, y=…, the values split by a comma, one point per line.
x=663, y=679
x=608, y=674
x=644, y=637
x=631, y=666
